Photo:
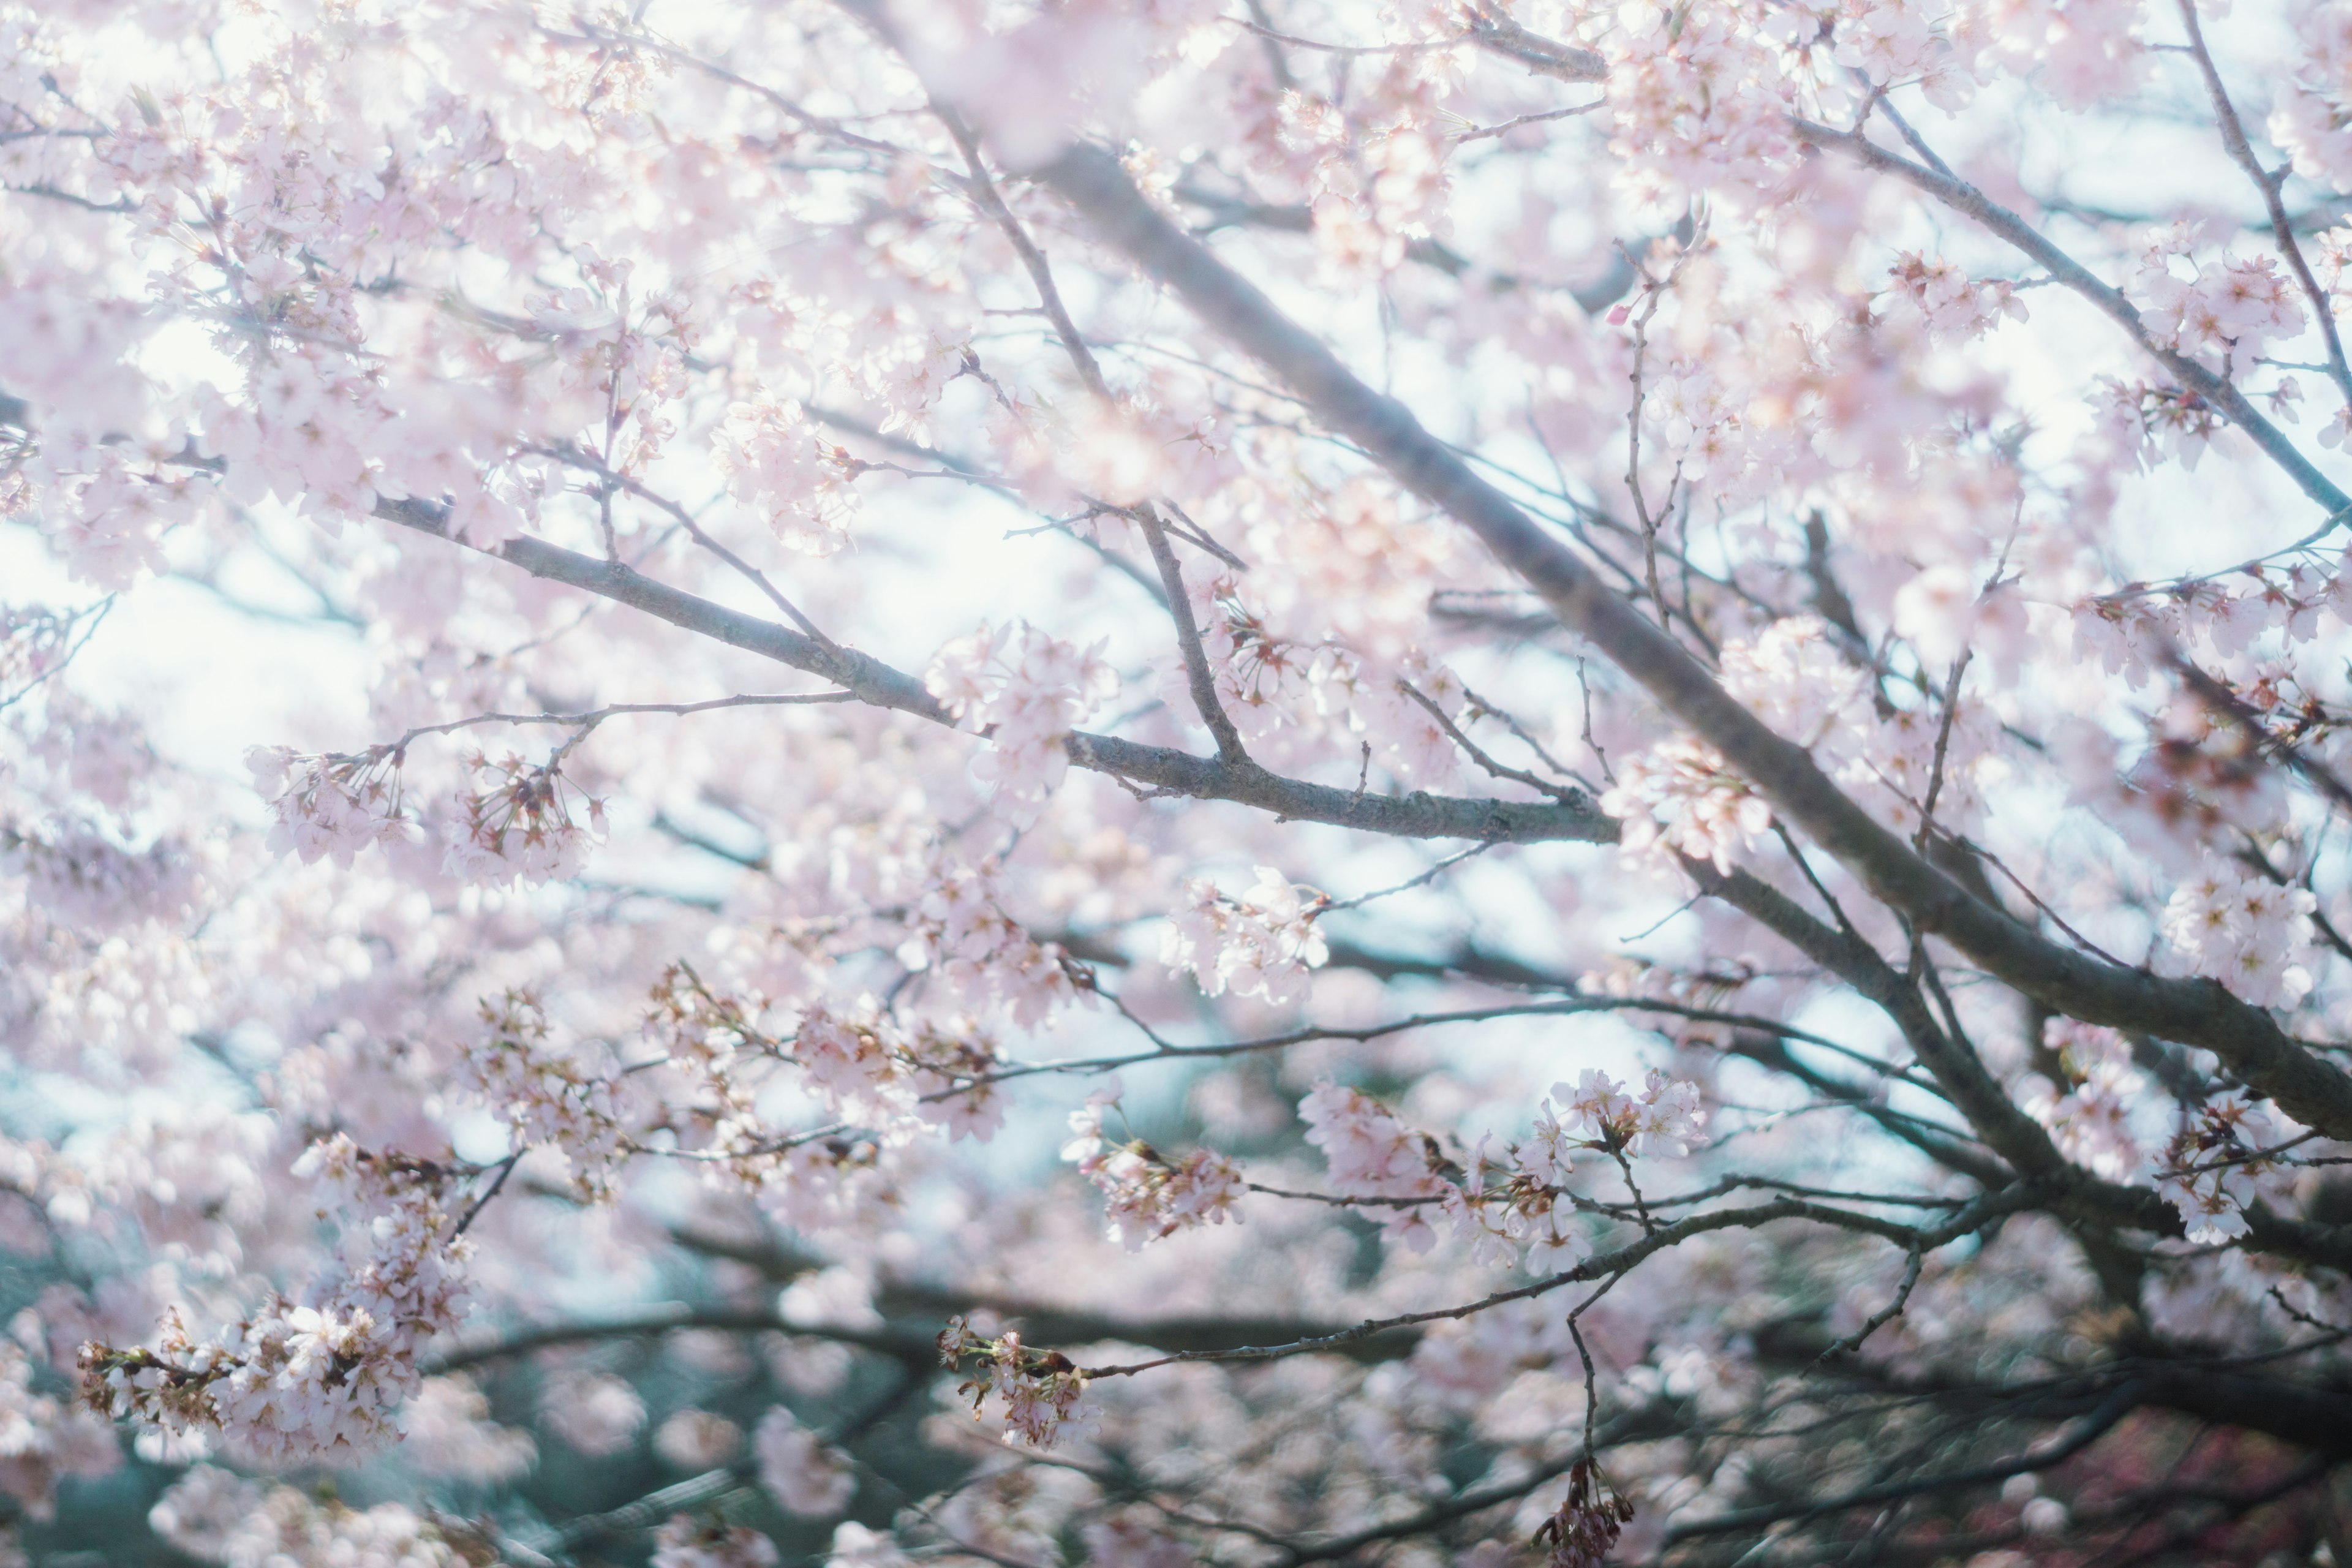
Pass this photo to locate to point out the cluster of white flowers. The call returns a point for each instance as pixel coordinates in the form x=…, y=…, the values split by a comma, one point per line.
x=1700, y=102
x=806, y=1475
x=851, y=1058
x=1517, y=1215
x=332, y=805
x=43, y=1438
x=83, y=878
x=776, y=462
x=216, y=1516
x=2249, y=932
x=1948, y=302
x=314, y=1382
x=1792, y=678
x=1263, y=943
x=2090, y=1118
x=2222, y=1160
x=960, y=932
x=1035, y=1393
x=1025, y=691
x=593, y=1413
x=520, y=825
x=686, y=1542
x=954, y=1064
x=695, y=1439
x=1681, y=798
x=450, y=1433
x=2224, y=314
x=2311, y=118
x=1371, y=1154
x=543, y=1095
x=854, y=1546
x=1150, y=1196
x=1599, y=1113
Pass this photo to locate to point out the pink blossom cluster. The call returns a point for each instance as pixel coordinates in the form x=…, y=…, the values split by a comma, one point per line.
x=217, y=1516
x=776, y=464
x=318, y=1381
x=2089, y=1112
x=960, y=931
x=1599, y=1111
x=694, y=1439
x=1025, y=691
x=1150, y=1196
x=543, y=1096
x=1679, y=799
x=2311, y=118
x=593, y=1413
x=2222, y=1162
x=521, y=825
x=333, y=806
x=1371, y=1154
x=1698, y=101
x=1035, y=1393
x=2249, y=931
x=1948, y=302
x=446, y=1430
x=803, y=1473
x=1263, y=943
x=2224, y=313
x=44, y=1439
x=851, y=1058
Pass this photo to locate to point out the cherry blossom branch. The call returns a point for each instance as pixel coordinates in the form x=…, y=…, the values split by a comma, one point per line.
x=1493, y=29
x=1479, y=755
x=914, y=1349
x=567, y=453
x=2195, y=1012
x=1504, y=128
x=2242, y=152
x=1202, y=684
x=1981, y=1212
x=2126, y=1398
x=590, y=720
x=1966, y=200
x=1422, y=881
x=1632, y=1428
x=1233, y=212
x=1416, y=816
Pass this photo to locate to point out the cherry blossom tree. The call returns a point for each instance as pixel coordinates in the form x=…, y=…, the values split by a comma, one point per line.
x=1626, y=720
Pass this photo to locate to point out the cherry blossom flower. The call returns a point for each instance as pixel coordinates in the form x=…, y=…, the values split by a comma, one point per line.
x=1025, y=691
x=521, y=826
x=775, y=462
x=800, y=1471
x=1150, y=1196
x=1035, y=1393
x=1681, y=798
x=696, y=1439
x=1263, y=943
x=593, y=1413
x=2090, y=1116
x=2221, y=1162
x=330, y=806
x=2251, y=933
